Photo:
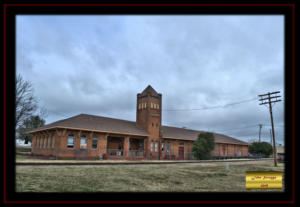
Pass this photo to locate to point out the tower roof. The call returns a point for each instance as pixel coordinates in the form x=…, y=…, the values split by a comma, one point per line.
x=149, y=90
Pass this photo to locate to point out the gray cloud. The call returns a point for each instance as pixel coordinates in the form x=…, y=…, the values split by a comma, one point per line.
x=97, y=65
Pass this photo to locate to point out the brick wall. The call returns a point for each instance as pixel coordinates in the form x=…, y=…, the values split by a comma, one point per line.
x=230, y=150
x=60, y=149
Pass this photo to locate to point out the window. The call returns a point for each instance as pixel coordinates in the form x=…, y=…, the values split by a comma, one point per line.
x=70, y=141
x=151, y=105
x=156, y=146
x=41, y=142
x=45, y=142
x=37, y=141
x=151, y=147
x=157, y=106
x=145, y=105
x=162, y=146
x=168, y=148
x=239, y=152
x=48, y=146
x=181, y=144
x=95, y=142
x=152, y=124
x=83, y=142
x=53, y=141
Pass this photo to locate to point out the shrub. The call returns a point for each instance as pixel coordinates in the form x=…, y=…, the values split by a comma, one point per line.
x=203, y=146
x=261, y=148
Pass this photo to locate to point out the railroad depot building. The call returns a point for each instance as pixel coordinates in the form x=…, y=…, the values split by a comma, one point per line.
x=87, y=136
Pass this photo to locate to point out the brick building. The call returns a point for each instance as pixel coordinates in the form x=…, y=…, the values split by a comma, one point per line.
x=88, y=136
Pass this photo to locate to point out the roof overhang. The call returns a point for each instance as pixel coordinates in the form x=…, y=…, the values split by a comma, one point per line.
x=246, y=144
x=184, y=139
x=189, y=139
x=84, y=129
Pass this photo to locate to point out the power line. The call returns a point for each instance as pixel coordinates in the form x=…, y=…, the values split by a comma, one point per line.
x=274, y=126
x=250, y=126
x=213, y=107
x=246, y=127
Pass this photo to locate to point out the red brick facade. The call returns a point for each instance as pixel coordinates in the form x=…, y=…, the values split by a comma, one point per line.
x=148, y=113
x=61, y=141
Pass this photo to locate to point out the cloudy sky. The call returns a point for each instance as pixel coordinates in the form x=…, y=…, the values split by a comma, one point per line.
x=97, y=65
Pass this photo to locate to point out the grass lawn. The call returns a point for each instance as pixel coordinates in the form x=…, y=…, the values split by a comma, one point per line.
x=21, y=158
x=23, y=149
x=195, y=177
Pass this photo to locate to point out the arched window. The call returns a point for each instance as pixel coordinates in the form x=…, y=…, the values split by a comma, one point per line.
x=70, y=141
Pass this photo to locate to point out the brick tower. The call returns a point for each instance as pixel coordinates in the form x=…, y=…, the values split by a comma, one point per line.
x=148, y=117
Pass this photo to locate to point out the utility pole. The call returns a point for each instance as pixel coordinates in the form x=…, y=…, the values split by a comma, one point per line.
x=271, y=136
x=270, y=98
x=260, y=126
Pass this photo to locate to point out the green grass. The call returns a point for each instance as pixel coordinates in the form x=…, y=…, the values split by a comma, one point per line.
x=196, y=177
x=23, y=149
x=25, y=157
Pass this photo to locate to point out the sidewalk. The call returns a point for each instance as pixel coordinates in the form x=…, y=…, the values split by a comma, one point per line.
x=128, y=162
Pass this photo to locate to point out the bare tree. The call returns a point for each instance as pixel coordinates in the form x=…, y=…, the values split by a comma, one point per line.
x=29, y=124
x=43, y=112
x=26, y=103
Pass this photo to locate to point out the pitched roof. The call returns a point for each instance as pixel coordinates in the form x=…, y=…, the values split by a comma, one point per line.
x=149, y=90
x=188, y=134
x=99, y=123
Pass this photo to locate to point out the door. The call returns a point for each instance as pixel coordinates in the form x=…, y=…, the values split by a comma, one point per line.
x=181, y=153
x=224, y=150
